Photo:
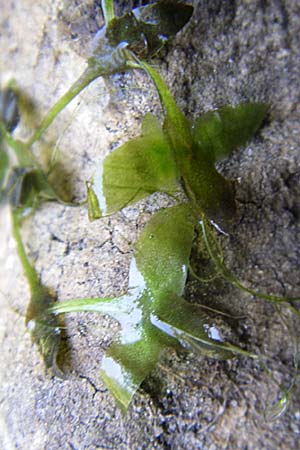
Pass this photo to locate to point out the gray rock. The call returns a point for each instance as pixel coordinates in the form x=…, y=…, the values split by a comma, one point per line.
x=230, y=52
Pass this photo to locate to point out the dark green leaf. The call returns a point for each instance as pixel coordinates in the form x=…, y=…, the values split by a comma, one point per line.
x=164, y=20
x=218, y=133
x=146, y=29
x=210, y=193
x=135, y=170
x=9, y=111
x=43, y=326
x=207, y=190
x=143, y=31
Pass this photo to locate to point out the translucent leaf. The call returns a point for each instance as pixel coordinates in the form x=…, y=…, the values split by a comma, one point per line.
x=135, y=170
x=152, y=315
x=218, y=133
x=126, y=365
x=192, y=327
x=163, y=249
x=276, y=411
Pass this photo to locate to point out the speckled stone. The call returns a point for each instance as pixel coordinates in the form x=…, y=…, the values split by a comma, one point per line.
x=231, y=51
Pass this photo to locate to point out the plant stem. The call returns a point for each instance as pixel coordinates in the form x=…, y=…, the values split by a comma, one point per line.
x=230, y=277
x=108, y=10
x=110, y=305
x=90, y=74
x=29, y=270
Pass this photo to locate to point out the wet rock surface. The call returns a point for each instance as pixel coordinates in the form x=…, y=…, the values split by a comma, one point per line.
x=230, y=52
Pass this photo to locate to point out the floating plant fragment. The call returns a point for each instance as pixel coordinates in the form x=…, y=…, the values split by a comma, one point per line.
x=152, y=314
x=43, y=326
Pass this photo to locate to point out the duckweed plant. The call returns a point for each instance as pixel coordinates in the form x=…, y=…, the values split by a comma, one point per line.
x=177, y=158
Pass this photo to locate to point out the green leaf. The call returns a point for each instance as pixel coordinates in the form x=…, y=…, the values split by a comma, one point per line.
x=152, y=315
x=176, y=125
x=132, y=172
x=146, y=29
x=208, y=191
x=218, y=133
x=193, y=328
x=126, y=365
x=108, y=10
x=163, y=249
x=4, y=161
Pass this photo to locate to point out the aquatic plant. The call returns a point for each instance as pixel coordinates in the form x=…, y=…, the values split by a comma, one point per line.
x=177, y=158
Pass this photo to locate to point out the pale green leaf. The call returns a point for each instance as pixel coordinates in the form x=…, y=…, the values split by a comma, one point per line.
x=135, y=170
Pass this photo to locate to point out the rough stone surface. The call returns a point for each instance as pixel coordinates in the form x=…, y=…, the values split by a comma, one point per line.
x=231, y=51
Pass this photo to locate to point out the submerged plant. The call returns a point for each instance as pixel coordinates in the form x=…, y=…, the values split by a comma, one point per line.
x=25, y=185
x=153, y=314
x=176, y=158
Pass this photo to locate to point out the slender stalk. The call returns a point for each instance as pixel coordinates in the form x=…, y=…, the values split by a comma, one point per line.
x=195, y=343
x=103, y=305
x=29, y=270
x=230, y=277
x=108, y=10
x=90, y=74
